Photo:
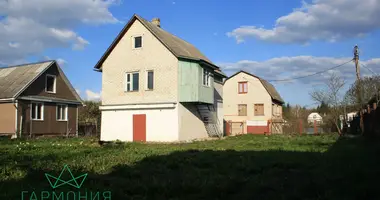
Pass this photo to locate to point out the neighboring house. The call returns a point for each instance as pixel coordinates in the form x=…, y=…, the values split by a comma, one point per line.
x=314, y=117
x=158, y=87
x=351, y=116
x=37, y=99
x=253, y=102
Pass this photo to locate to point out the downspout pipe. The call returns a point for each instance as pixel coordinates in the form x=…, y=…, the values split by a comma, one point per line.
x=15, y=104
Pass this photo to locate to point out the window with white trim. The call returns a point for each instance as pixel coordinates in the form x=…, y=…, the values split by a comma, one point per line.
x=206, y=80
x=132, y=82
x=50, y=83
x=149, y=79
x=62, y=112
x=137, y=42
x=37, y=111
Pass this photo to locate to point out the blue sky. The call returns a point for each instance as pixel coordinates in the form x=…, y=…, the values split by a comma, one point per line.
x=273, y=39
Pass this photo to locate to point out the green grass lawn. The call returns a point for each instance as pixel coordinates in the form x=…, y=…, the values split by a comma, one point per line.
x=243, y=167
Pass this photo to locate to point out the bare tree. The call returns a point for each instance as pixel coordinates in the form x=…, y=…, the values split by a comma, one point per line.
x=370, y=86
x=333, y=96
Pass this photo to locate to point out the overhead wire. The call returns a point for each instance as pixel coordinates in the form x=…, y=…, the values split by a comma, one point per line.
x=369, y=69
x=300, y=77
x=316, y=73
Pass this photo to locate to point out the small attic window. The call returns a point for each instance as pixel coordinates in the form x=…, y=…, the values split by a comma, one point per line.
x=50, y=85
x=138, y=42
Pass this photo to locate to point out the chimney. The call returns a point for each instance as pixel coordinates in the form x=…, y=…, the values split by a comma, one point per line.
x=156, y=21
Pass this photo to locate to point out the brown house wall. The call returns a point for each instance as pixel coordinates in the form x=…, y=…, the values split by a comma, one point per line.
x=7, y=118
x=50, y=125
x=38, y=86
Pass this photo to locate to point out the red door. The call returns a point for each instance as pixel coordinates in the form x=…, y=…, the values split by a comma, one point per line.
x=139, y=128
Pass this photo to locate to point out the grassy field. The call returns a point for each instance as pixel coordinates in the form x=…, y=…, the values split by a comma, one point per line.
x=243, y=167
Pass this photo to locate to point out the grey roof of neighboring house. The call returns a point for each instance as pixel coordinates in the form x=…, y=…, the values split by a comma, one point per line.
x=179, y=47
x=49, y=99
x=269, y=87
x=16, y=79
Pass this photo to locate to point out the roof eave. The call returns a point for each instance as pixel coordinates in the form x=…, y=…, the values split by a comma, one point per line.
x=7, y=100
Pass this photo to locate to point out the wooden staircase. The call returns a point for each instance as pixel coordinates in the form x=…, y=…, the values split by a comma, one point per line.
x=210, y=119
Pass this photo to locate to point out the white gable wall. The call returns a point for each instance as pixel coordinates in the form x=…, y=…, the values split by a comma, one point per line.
x=257, y=94
x=152, y=56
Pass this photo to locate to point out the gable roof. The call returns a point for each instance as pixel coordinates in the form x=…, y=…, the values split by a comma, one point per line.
x=269, y=87
x=16, y=79
x=180, y=48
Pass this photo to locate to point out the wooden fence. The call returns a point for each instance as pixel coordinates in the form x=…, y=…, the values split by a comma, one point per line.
x=88, y=129
x=298, y=126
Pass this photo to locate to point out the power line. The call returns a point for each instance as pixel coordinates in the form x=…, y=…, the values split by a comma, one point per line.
x=300, y=77
x=320, y=72
x=363, y=65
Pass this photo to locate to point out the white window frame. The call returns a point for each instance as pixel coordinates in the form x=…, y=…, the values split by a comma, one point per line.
x=147, y=79
x=208, y=75
x=54, y=85
x=131, y=81
x=66, y=112
x=42, y=111
x=134, y=41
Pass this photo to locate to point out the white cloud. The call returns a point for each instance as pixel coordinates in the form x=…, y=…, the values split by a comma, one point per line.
x=93, y=96
x=289, y=67
x=61, y=61
x=325, y=20
x=28, y=28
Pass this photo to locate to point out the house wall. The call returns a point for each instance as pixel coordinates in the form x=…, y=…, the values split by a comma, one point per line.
x=7, y=118
x=218, y=103
x=37, y=88
x=49, y=125
x=276, y=111
x=161, y=124
x=190, y=124
x=256, y=94
x=152, y=56
x=190, y=86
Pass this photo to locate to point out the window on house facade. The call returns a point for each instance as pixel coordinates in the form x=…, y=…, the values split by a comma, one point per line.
x=259, y=109
x=138, y=42
x=50, y=83
x=62, y=112
x=243, y=87
x=150, y=80
x=132, y=82
x=242, y=109
x=206, y=80
x=37, y=111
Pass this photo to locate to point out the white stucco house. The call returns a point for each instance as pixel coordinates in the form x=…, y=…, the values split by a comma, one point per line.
x=251, y=105
x=158, y=87
x=314, y=117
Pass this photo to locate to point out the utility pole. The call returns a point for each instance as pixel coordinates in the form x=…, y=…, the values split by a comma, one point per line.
x=358, y=86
